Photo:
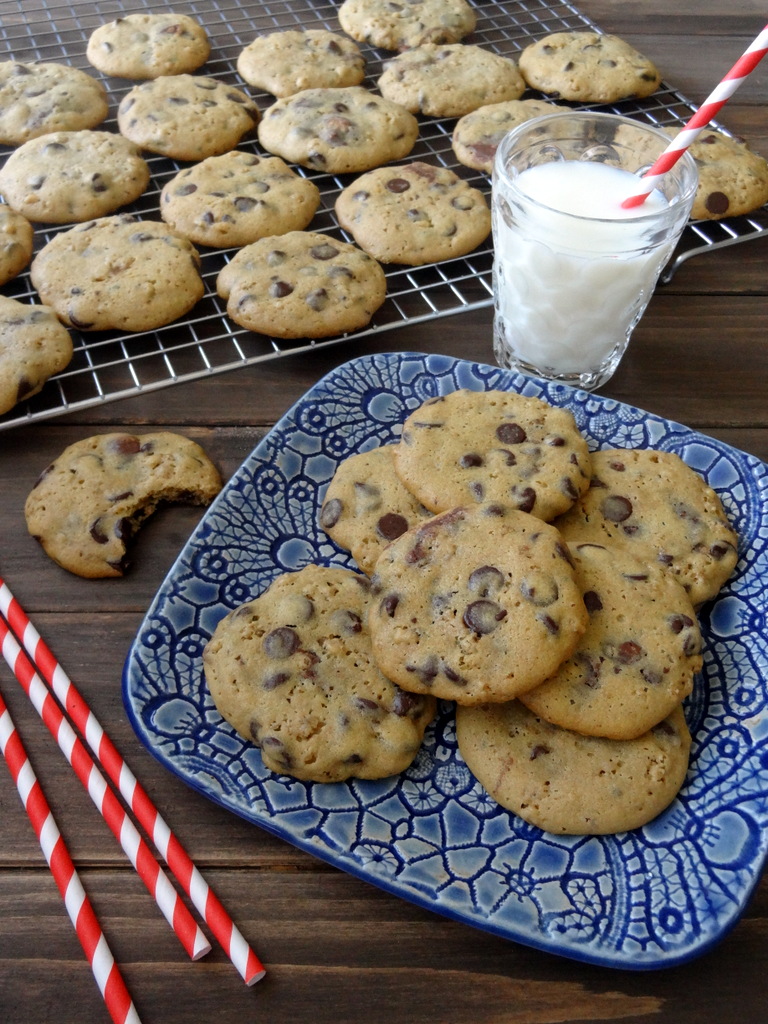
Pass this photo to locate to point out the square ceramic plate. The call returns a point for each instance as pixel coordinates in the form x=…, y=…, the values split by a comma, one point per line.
x=649, y=898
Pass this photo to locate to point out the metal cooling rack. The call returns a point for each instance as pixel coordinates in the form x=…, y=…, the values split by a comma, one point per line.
x=107, y=366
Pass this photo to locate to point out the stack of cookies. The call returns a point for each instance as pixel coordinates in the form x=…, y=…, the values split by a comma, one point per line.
x=549, y=592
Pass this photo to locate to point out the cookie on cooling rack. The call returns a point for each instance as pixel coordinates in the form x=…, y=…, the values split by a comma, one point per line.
x=302, y=284
x=16, y=242
x=400, y=26
x=39, y=98
x=148, y=45
x=449, y=80
x=118, y=273
x=414, y=214
x=186, y=117
x=91, y=500
x=338, y=130
x=477, y=135
x=33, y=347
x=733, y=180
x=236, y=198
x=66, y=177
x=292, y=671
x=284, y=63
x=588, y=67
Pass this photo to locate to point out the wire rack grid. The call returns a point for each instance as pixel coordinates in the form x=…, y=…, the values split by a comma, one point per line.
x=108, y=365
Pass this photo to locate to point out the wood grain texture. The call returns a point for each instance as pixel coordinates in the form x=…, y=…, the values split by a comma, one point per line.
x=339, y=951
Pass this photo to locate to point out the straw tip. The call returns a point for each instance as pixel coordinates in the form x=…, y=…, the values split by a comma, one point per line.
x=253, y=978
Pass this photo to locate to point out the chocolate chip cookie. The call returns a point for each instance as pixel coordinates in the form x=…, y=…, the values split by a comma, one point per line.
x=66, y=177
x=449, y=80
x=187, y=117
x=338, y=130
x=302, y=284
x=90, y=501
x=414, y=214
x=148, y=45
x=476, y=604
x=33, y=347
x=405, y=23
x=478, y=134
x=236, y=198
x=39, y=98
x=636, y=662
x=588, y=67
x=292, y=672
x=659, y=509
x=481, y=446
x=367, y=506
x=118, y=273
x=733, y=180
x=570, y=784
x=16, y=243
x=288, y=62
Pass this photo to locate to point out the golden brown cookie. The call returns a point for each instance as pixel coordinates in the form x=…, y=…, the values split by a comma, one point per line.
x=476, y=604
x=90, y=501
x=292, y=672
x=566, y=783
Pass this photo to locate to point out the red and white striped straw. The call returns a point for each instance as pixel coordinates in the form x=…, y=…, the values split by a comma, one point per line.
x=743, y=67
x=181, y=865
x=135, y=848
x=81, y=913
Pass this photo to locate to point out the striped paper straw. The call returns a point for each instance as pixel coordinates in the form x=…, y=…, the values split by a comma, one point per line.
x=743, y=67
x=81, y=913
x=135, y=848
x=189, y=877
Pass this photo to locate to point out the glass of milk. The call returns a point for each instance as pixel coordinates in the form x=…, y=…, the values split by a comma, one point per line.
x=573, y=271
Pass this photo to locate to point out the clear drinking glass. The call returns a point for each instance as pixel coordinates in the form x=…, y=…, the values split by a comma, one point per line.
x=572, y=273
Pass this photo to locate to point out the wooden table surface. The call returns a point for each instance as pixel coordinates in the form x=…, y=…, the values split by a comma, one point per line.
x=336, y=948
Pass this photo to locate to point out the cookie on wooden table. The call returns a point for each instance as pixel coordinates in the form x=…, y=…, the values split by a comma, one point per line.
x=636, y=662
x=302, y=284
x=588, y=67
x=118, y=273
x=660, y=510
x=91, y=500
x=475, y=604
x=186, y=117
x=16, y=243
x=148, y=45
x=236, y=198
x=477, y=135
x=338, y=130
x=733, y=180
x=292, y=671
x=288, y=62
x=39, y=98
x=449, y=80
x=570, y=784
x=33, y=347
x=399, y=26
x=66, y=177
x=499, y=446
x=366, y=506
x=414, y=213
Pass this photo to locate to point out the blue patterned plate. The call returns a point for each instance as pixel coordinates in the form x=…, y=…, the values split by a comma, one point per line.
x=648, y=898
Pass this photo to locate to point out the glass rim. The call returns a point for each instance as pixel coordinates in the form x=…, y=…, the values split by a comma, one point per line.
x=686, y=197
